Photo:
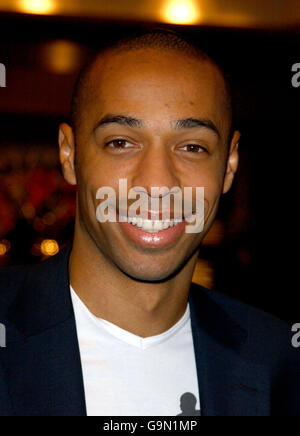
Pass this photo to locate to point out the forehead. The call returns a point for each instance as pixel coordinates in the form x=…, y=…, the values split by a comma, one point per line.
x=151, y=84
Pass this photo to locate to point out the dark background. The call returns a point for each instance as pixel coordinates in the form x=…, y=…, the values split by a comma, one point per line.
x=251, y=253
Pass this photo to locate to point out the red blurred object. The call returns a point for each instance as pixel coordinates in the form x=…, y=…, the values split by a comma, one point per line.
x=8, y=215
x=31, y=193
x=41, y=183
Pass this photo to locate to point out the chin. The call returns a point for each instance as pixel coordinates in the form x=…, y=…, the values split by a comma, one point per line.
x=155, y=277
x=151, y=272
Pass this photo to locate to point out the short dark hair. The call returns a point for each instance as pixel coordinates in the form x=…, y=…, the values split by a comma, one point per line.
x=162, y=39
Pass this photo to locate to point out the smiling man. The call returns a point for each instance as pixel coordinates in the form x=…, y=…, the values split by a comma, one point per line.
x=112, y=325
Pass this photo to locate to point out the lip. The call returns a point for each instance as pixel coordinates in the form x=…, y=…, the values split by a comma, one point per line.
x=160, y=239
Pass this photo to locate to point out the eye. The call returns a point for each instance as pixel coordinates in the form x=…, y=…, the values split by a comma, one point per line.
x=192, y=148
x=118, y=144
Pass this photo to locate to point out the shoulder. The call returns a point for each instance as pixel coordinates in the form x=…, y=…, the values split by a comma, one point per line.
x=268, y=346
x=11, y=281
x=267, y=335
x=247, y=315
x=21, y=279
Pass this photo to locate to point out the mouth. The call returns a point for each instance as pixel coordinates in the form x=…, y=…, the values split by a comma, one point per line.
x=152, y=233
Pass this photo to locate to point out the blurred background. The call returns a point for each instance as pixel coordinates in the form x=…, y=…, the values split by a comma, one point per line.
x=251, y=251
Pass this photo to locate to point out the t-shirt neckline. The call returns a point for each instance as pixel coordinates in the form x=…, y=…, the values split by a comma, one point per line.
x=125, y=335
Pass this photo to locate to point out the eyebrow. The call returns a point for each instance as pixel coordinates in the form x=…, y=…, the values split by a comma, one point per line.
x=192, y=123
x=119, y=119
x=186, y=123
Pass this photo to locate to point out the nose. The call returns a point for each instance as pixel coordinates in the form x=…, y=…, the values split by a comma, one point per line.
x=155, y=169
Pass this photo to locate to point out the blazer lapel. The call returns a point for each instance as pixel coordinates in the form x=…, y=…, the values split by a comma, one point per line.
x=47, y=345
x=229, y=383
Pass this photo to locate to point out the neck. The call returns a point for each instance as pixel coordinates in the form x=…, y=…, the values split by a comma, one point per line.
x=142, y=308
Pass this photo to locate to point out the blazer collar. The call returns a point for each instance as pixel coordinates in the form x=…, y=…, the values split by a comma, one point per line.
x=45, y=301
x=230, y=384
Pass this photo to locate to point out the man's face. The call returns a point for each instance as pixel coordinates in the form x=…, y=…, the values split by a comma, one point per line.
x=157, y=89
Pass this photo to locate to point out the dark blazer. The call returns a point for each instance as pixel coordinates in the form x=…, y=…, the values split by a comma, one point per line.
x=246, y=364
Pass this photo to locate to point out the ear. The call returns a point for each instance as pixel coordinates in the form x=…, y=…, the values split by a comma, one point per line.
x=67, y=152
x=232, y=162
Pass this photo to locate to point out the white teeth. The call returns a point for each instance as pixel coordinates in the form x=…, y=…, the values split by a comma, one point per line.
x=165, y=224
x=158, y=225
x=139, y=222
x=147, y=225
x=152, y=226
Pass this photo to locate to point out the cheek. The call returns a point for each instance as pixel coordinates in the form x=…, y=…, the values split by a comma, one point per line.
x=94, y=172
x=211, y=179
x=97, y=168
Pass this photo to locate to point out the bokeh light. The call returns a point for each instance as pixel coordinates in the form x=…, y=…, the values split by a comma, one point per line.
x=61, y=56
x=49, y=247
x=4, y=247
x=181, y=12
x=37, y=6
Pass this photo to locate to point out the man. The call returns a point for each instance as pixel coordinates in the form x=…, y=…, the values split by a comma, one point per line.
x=112, y=324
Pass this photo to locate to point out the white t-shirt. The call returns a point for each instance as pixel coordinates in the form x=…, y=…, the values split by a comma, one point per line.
x=127, y=375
